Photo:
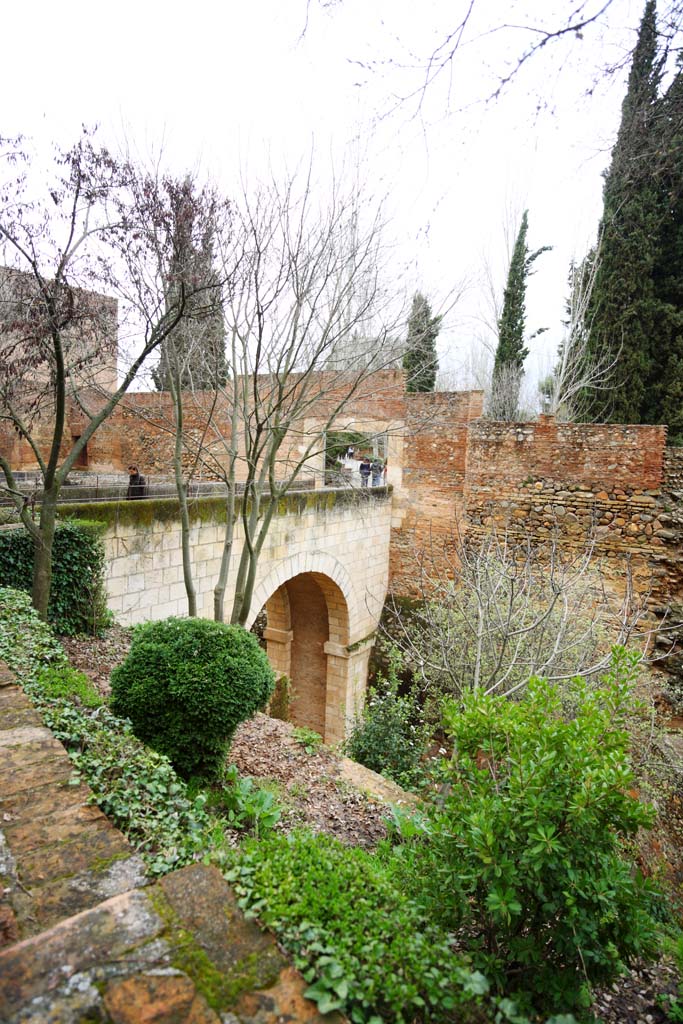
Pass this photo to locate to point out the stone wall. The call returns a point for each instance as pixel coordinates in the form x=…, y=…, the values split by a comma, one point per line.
x=595, y=456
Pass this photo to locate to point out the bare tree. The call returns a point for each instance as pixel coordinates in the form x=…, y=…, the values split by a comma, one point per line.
x=580, y=373
x=300, y=278
x=97, y=225
x=501, y=610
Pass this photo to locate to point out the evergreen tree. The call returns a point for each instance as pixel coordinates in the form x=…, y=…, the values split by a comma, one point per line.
x=194, y=352
x=636, y=310
x=511, y=350
x=420, y=360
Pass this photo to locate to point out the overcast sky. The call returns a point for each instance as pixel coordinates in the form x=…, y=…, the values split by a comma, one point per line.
x=241, y=87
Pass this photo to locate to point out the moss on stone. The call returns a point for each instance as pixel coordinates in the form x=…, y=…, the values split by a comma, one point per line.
x=220, y=988
x=144, y=514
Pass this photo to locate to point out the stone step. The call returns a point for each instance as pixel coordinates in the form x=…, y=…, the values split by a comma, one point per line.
x=59, y=854
x=178, y=952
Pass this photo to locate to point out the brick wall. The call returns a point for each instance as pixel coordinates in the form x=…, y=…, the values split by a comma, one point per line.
x=140, y=430
x=430, y=492
x=605, y=457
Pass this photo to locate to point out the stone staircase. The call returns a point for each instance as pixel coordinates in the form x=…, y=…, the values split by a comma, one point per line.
x=84, y=939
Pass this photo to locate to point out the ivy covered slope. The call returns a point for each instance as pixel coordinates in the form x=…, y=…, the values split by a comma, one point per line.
x=136, y=787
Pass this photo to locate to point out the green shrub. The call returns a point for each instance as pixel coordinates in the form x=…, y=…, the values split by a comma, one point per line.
x=365, y=947
x=522, y=849
x=77, y=597
x=186, y=685
x=389, y=735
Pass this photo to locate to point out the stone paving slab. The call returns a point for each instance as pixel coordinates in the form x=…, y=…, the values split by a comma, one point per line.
x=180, y=952
x=62, y=825
x=44, y=906
x=98, y=844
x=31, y=777
x=14, y=717
x=35, y=802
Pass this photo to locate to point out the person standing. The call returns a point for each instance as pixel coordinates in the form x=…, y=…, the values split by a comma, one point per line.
x=377, y=470
x=365, y=472
x=137, y=485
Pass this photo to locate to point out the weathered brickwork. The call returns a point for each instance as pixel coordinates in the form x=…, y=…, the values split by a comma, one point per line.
x=140, y=429
x=595, y=456
x=433, y=460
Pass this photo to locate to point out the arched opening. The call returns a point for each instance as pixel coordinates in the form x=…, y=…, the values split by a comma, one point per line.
x=306, y=634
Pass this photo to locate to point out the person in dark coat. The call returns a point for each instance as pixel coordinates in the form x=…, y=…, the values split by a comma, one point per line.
x=137, y=485
x=364, y=471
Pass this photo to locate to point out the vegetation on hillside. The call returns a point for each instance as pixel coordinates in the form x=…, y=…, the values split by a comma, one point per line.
x=505, y=898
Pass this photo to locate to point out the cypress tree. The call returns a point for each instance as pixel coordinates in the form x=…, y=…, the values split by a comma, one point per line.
x=511, y=350
x=635, y=309
x=420, y=360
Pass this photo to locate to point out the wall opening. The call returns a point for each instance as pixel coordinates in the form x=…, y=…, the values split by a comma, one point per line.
x=304, y=615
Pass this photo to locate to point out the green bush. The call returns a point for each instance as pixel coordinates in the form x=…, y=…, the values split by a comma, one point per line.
x=186, y=685
x=522, y=849
x=362, y=944
x=389, y=735
x=77, y=597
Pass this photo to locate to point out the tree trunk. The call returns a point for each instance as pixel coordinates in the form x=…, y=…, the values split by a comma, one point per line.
x=222, y=581
x=42, y=559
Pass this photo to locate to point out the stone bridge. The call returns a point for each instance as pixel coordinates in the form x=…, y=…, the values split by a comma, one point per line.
x=322, y=580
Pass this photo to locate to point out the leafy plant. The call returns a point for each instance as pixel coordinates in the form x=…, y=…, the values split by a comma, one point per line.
x=65, y=682
x=187, y=684
x=243, y=804
x=77, y=600
x=307, y=738
x=522, y=843
x=362, y=944
x=389, y=736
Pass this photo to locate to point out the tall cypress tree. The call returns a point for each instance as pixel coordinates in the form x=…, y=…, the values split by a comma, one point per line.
x=511, y=350
x=635, y=311
x=420, y=360
x=665, y=396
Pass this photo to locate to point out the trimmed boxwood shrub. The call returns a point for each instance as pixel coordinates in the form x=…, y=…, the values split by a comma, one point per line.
x=187, y=684
x=77, y=597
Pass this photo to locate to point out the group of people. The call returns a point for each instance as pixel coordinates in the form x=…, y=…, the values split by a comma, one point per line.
x=375, y=469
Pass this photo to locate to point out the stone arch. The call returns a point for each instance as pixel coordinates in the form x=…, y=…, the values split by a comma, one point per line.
x=308, y=632
x=320, y=564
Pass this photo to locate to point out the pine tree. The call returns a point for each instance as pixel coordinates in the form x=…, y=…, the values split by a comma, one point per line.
x=511, y=351
x=420, y=360
x=194, y=352
x=636, y=309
